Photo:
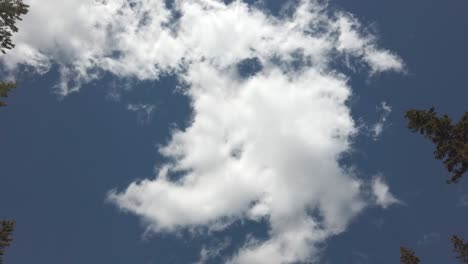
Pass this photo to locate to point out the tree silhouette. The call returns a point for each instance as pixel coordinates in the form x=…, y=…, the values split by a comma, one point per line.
x=461, y=249
x=407, y=256
x=5, y=88
x=451, y=146
x=10, y=12
x=451, y=139
x=6, y=232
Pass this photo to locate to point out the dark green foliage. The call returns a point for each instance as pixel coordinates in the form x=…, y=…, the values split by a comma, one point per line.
x=10, y=12
x=451, y=139
x=407, y=256
x=6, y=232
x=5, y=88
x=461, y=249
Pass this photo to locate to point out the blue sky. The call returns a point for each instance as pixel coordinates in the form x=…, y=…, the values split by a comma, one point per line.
x=94, y=110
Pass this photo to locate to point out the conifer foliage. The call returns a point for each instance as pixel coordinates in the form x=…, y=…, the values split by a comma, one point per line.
x=10, y=12
x=6, y=231
x=5, y=88
x=407, y=256
x=451, y=139
x=460, y=248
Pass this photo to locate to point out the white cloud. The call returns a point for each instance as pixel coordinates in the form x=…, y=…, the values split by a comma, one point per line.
x=383, y=61
x=143, y=111
x=213, y=251
x=143, y=38
x=259, y=148
x=377, y=129
x=382, y=194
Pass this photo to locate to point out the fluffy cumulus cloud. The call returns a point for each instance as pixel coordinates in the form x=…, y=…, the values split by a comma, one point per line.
x=261, y=146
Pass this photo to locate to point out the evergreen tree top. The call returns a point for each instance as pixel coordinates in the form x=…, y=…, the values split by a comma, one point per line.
x=451, y=140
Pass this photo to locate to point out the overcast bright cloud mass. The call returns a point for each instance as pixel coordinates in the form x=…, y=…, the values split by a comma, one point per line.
x=263, y=144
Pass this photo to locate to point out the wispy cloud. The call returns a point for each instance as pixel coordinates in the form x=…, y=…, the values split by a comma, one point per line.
x=382, y=194
x=360, y=257
x=263, y=147
x=377, y=129
x=144, y=111
x=428, y=238
x=213, y=251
